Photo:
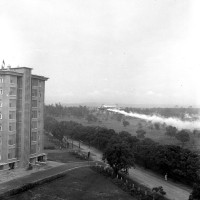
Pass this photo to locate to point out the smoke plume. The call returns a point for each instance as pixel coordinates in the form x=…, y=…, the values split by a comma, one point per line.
x=179, y=124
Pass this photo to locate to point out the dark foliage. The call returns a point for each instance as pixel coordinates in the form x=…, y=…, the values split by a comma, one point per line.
x=59, y=110
x=171, y=131
x=141, y=133
x=179, y=163
x=195, y=194
x=118, y=156
x=183, y=136
x=125, y=123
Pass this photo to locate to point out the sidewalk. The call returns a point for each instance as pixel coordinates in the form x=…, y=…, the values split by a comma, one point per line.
x=39, y=177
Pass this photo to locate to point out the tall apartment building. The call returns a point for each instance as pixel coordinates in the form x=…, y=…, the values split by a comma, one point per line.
x=21, y=117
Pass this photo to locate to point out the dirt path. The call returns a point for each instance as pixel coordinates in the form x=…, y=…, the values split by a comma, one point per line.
x=174, y=191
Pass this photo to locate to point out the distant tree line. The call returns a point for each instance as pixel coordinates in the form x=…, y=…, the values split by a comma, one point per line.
x=179, y=163
x=58, y=110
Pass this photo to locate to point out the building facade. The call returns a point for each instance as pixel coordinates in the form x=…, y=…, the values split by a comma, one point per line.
x=21, y=117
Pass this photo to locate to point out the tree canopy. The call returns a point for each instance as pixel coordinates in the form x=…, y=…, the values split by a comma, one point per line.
x=119, y=156
x=125, y=123
x=171, y=131
x=141, y=133
x=179, y=163
x=195, y=194
x=183, y=136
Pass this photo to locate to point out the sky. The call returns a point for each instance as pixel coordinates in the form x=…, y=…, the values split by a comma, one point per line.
x=110, y=51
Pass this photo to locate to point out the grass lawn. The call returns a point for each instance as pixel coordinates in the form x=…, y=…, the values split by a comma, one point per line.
x=62, y=156
x=157, y=135
x=82, y=183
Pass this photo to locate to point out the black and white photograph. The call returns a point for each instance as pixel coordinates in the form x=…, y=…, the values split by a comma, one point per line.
x=100, y=99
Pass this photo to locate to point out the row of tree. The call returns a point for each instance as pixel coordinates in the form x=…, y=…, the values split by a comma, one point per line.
x=58, y=110
x=183, y=135
x=120, y=150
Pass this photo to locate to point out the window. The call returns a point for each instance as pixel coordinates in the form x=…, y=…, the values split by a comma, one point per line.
x=11, y=139
x=19, y=104
x=11, y=153
x=40, y=83
x=12, y=126
x=12, y=103
x=12, y=114
x=34, y=124
x=34, y=136
x=1, y=104
x=0, y=140
x=1, y=128
x=19, y=82
x=34, y=92
x=33, y=148
x=34, y=114
x=1, y=80
x=19, y=93
x=34, y=103
x=12, y=91
x=19, y=129
x=12, y=79
x=19, y=116
x=34, y=82
x=1, y=90
x=0, y=115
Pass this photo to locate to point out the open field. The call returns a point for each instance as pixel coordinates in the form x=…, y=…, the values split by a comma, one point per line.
x=82, y=183
x=156, y=135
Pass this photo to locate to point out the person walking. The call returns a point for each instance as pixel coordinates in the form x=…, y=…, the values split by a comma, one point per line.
x=166, y=177
x=88, y=154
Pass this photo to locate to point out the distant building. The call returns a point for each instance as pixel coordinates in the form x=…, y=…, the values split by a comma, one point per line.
x=21, y=117
x=106, y=107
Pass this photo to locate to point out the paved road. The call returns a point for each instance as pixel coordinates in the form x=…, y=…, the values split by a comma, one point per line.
x=173, y=190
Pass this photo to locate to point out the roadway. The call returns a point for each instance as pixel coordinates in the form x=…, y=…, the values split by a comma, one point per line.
x=174, y=191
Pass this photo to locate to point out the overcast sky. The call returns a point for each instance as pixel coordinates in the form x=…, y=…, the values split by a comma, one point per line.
x=112, y=51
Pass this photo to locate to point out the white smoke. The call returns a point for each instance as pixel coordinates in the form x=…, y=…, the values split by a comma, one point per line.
x=179, y=124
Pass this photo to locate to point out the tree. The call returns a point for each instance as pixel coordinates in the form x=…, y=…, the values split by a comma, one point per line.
x=49, y=123
x=91, y=118
x=119, y=117
x=141, y=133
x=125, y=123
x=140, y=125
x=196, y=132
x=171, y=131
x=157, y=126
x=57, y=131
x=195, y=194
x=118, y=156
x=183, y=136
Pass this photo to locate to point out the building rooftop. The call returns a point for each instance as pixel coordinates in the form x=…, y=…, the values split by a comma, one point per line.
x=13, y=71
